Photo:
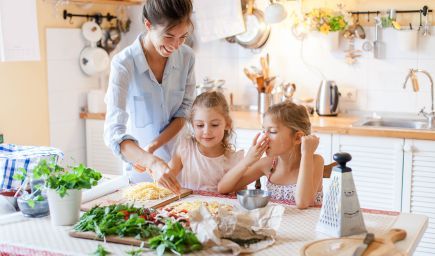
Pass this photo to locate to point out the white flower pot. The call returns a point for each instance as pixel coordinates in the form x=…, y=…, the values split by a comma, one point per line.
x=64, y=210
x=330, y=41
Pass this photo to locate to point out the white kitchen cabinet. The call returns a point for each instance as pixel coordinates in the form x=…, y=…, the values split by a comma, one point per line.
x=98, y=155
x=324, y=148
x=418, y=187
x=376, y=167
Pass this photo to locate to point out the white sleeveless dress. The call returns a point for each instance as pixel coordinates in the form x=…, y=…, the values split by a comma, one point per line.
x=200, y=172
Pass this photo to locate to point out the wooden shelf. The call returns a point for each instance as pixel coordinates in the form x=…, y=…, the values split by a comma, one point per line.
x=112, y=2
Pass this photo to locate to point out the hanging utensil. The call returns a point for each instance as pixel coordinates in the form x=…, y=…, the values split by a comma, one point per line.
x=426, y=26
x=257, y=31
x=377, y=44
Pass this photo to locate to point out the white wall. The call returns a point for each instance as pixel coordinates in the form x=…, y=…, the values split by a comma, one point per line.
x=378, y=82
x=67, y=93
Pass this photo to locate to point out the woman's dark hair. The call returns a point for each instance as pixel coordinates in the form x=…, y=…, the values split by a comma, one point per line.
x=168, y=13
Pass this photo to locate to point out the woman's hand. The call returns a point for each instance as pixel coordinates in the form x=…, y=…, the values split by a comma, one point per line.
x=309, y=144
x=159, y=170
x=257, y=149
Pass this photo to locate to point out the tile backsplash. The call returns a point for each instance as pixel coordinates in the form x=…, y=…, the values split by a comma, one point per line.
x=67, y=92
x=378, y=82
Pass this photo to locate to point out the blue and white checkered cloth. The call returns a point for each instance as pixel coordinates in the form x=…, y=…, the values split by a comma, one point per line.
x=14, y=156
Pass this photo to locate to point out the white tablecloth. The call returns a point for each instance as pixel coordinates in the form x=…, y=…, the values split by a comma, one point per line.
x=297, y=228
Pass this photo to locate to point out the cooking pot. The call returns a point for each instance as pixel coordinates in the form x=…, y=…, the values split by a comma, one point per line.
x=110, y=39
x=93, y=59
x=257, y=31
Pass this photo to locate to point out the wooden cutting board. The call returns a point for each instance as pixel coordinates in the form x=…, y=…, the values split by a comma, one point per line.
x=111, y=239
x=117, y=198
x=345, y=246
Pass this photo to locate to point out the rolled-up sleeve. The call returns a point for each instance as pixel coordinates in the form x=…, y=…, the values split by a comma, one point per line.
x=116, y=115
x=189, y=94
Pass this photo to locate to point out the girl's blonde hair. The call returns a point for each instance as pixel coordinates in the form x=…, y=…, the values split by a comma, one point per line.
x=215, y=99
x=291, y=115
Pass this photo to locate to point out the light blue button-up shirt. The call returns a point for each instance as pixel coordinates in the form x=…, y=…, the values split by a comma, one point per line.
x=138, y=107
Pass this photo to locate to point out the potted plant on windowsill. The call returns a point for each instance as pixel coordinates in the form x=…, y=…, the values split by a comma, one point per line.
x=64, y=189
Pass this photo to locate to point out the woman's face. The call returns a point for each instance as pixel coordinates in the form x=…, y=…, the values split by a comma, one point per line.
x=209, y=127
x=167, y=41
x=281, y=138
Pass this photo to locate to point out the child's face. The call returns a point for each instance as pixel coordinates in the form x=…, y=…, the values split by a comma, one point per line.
x=282, y=139
x=209, y=127
x=166, y=42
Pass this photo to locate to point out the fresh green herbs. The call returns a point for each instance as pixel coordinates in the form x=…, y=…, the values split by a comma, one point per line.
x=101, y=251
x=31, y=202
x=175, y=238
x=141, y=223
x=56, y=177
x=135, y=252
x=121, y=220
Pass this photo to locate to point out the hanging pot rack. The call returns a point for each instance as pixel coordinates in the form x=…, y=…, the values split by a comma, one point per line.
x=98, y=17
x=423, y=11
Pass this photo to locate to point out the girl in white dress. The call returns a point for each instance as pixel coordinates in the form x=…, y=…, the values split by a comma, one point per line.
x=294, y=171
x=203, y=158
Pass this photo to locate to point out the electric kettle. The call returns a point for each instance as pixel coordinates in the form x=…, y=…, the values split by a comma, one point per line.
x=327, y=98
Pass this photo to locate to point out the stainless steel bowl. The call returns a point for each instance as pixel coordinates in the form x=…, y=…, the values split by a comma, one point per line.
x=253, y=198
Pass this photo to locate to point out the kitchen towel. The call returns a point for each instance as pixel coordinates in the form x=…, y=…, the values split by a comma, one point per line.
x=223, y=19
x=13, y=157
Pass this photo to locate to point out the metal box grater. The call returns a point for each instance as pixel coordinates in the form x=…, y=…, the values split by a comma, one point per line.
x=341, y=213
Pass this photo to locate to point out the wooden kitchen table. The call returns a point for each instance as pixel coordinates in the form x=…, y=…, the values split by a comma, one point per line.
x=36, y=236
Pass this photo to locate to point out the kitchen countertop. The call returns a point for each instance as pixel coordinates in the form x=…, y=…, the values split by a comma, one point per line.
x=341, y=124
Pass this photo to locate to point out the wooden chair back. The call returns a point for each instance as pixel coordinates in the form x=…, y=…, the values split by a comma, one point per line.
x=327, y=169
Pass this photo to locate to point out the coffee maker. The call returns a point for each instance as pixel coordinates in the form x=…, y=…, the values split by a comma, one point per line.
x=327, y=98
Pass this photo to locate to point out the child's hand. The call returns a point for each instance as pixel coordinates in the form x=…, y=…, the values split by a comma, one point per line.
x=159, y=170
x=309, y=144
x=257, y=149
x=150, y=148
x=170, y=182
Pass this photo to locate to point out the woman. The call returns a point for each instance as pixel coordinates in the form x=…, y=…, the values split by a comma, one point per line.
x=151, y=89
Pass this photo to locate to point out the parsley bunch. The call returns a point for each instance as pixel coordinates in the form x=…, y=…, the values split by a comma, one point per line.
x=175, y=238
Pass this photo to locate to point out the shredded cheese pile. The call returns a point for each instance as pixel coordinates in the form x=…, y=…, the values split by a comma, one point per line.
x=212, y=206
x=146, y=191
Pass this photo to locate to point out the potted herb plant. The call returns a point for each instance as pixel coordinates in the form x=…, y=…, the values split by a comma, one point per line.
x=64, y=189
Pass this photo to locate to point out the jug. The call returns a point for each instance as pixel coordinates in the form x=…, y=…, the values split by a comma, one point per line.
x=327, y=99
